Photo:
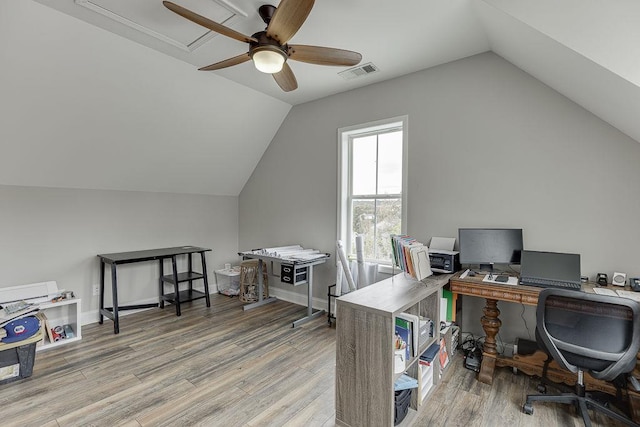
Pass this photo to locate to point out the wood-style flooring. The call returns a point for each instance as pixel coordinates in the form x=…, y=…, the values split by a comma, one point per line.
x=222, y=366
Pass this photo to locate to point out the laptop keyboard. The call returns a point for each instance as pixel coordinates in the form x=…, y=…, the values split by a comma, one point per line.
x=547, y=283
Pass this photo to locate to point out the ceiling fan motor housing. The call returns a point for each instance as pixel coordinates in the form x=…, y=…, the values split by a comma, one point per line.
x=266, y=42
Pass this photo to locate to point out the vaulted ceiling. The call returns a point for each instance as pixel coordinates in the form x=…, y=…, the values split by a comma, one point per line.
x=98, y=94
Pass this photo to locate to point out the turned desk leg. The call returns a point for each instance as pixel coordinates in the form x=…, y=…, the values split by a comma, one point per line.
x=491, y=325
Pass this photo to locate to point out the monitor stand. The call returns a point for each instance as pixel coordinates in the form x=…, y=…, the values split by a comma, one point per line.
x=488, y=268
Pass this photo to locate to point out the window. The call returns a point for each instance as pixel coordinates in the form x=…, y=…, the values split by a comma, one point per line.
x=372, y=178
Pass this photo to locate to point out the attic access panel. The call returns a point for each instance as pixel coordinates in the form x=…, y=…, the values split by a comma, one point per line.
x=152, y=18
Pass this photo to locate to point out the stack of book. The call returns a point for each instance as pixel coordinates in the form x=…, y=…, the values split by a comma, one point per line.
x=411, y=256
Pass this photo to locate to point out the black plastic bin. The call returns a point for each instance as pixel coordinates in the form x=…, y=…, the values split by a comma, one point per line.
x=402, y=401
x=16, y=361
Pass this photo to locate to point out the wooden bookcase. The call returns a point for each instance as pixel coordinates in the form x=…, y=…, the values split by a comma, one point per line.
x=364, y=347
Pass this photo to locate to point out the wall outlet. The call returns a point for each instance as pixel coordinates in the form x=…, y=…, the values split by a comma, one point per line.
x=96, y=290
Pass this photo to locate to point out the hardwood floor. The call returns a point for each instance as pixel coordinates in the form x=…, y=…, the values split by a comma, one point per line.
x=222, y=366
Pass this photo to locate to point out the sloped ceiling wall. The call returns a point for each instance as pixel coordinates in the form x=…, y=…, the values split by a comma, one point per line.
x=84, y=108
x=587, y=51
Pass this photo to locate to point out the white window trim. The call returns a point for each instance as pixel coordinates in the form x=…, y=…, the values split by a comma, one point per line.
x=343, y=170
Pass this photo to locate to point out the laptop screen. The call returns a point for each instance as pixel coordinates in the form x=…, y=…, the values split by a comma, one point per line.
x=550, y=265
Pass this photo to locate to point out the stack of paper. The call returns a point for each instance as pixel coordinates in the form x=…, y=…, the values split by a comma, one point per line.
x=405, y=382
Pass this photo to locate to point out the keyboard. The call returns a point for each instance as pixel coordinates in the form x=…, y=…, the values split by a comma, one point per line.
x=548, y=283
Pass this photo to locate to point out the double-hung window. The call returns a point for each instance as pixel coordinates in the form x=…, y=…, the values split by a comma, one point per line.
x=372, y=183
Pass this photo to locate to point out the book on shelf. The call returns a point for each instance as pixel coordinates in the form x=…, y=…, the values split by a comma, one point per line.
x=430, y=353
x=413, y=322
x=403, y=337
x=444, y=356
x=411, y=256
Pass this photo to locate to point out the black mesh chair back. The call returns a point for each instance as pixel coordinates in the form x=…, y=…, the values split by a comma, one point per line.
x=587, y=332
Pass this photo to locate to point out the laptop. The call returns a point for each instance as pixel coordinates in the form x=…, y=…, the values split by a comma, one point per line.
x=550, y=270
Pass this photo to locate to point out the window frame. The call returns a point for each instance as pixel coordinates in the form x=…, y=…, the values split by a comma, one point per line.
x=345, y=177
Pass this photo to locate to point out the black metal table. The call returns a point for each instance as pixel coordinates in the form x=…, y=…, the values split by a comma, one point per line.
x=177, y=297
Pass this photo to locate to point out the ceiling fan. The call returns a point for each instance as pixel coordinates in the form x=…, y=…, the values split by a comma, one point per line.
x=269, y=49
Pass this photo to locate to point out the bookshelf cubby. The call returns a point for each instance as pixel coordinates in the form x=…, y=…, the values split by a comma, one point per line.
x=364, y=351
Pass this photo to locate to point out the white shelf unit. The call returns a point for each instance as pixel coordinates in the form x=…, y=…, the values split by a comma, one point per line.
x=65, y=312
x=364, y=351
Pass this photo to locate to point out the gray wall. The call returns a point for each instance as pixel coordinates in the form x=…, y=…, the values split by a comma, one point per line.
x=55, y=234
x=489, y=146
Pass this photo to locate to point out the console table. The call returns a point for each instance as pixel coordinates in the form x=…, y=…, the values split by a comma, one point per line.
x=177, y=297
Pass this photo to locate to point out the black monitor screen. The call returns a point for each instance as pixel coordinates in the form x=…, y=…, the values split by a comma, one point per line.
x=490, y=245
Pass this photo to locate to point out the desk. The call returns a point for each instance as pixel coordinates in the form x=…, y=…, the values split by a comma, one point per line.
x=530, y=364
x=492, y=292
x=115, y=259
x=297, y=265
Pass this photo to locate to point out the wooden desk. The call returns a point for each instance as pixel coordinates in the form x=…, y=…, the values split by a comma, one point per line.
x=529, y=364
x=492, y=292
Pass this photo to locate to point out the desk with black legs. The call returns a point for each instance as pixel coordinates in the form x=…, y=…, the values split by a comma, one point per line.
x=175, y=278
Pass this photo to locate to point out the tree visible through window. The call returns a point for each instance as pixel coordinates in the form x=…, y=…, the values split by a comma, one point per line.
x=372, y=178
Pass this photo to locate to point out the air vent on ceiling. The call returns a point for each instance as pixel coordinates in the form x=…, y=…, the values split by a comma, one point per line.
x=360, y=70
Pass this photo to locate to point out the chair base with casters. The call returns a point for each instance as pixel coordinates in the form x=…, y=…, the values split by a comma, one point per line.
x=582, y=400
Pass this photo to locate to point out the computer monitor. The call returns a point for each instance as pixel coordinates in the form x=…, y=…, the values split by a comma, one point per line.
x=488, y=246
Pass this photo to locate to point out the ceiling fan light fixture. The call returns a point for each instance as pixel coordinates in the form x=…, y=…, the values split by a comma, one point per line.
x=268, y=59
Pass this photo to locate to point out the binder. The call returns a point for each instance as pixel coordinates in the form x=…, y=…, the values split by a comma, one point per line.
x=413, y=323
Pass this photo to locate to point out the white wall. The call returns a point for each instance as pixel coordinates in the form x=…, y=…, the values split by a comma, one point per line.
x=55, y=234
x=489, y=146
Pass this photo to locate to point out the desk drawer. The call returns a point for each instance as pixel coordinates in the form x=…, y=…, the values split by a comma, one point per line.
x=293, y=275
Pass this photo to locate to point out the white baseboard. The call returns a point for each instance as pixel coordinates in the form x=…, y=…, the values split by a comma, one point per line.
x=92, y=316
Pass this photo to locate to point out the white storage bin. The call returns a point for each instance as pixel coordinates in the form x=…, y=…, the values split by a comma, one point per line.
x=228, y=281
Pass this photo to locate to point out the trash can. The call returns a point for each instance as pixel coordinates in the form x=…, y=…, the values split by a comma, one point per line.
x=228, y=281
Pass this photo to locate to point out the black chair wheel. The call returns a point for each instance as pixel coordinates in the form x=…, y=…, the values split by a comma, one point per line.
x=542, y=388
x=527, y=409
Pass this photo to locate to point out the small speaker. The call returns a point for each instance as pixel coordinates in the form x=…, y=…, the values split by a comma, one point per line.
x=619, y=279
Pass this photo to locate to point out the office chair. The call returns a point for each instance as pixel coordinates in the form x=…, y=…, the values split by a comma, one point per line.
x=585, y=332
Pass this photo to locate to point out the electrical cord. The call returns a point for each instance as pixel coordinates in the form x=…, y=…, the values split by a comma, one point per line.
x=525, y=322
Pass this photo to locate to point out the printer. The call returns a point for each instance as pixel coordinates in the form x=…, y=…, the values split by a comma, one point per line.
x=444, y=261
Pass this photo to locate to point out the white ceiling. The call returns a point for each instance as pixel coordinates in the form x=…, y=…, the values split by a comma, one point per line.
x=127, y=109
x=398, y=40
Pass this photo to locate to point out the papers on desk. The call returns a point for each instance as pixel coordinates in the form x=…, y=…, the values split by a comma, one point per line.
x=490, y=278
x=289, y=253
x=604, y=291
x=308, y=256
x=618, y=293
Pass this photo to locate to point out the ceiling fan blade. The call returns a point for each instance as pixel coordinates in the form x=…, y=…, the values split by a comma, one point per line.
x=207, y=23
x=227, y=62
x=286, y=79
x=288, y=18
x=323, y=55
